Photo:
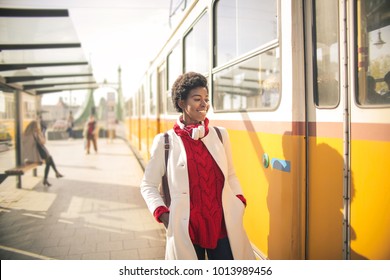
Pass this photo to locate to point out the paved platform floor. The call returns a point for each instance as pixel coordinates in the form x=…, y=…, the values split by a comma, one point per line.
x=94, y=212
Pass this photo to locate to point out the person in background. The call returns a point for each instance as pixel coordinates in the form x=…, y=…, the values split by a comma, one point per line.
x=386, y=95
x=372, y=95
x=205, y=215
x=43, y=125
x=386, y=79
x=34, y=150
x=90, y=134
x=70, y=124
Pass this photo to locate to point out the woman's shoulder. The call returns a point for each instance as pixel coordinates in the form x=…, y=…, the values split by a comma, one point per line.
x=221, y=129
x=160, y=136
x=221, y=132
x=218, y=127
x=159, y=141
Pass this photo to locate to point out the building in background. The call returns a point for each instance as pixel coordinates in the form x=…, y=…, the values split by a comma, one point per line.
x=58, y=112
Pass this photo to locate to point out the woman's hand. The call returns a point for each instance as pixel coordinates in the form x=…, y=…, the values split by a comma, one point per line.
x=164, y=218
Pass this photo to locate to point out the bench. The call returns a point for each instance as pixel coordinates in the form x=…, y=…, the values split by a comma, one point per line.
x=20, y=171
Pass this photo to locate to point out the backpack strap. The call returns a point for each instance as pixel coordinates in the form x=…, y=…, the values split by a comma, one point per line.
x=166, y=147
x=164, y=183
x=219, y=133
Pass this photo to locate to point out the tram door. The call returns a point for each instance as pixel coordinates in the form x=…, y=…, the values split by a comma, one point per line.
x=325, y=149
x=348, y=114
x=370, y=131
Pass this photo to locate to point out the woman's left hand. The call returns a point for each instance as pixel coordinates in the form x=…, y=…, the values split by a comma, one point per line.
x=164, y=218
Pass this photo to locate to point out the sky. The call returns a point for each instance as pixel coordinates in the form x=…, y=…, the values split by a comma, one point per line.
x=113, y=33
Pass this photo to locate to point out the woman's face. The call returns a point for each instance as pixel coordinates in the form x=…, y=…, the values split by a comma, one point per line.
x=196, y=105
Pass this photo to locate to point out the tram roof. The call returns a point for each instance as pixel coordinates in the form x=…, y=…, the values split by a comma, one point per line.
x=40, y=52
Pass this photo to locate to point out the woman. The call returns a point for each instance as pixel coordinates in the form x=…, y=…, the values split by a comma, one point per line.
x=70, y=124
x=90, y=133
x=34, y=150
x=207, y=206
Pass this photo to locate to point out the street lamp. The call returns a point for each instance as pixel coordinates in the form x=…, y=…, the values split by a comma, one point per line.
x=379, y=42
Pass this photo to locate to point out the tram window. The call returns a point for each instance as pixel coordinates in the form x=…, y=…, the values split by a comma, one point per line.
x=130, y=107
x=136, y=106
x=153, y=94
x=373, y=65
x=174, y=70
x=326, y=62
x=250, y=85
x=196, y=47
x=162, y=88
x=242, y=26
x=142, y=103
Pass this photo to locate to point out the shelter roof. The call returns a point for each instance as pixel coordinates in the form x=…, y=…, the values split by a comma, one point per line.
x=40, y=52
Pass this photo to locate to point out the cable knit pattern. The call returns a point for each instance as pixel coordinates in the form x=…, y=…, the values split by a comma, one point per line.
x=206, y=223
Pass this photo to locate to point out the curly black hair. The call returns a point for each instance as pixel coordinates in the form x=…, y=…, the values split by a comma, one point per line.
x=184, y=84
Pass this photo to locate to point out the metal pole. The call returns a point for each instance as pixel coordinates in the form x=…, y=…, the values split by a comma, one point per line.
x=18, y=133
x=346, y=138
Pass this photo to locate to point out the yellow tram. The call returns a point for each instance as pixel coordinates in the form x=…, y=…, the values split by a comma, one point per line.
x=301, y=88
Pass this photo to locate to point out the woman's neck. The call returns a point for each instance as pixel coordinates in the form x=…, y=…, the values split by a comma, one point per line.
x=188, y=121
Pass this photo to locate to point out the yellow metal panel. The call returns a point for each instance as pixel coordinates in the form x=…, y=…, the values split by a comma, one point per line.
x=247, y=162
x=273, y=217
x=152, y=132
x=325, y=218
x=370, y=203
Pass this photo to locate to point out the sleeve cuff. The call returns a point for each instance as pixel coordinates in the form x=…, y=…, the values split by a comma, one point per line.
x=242, y=198
x=159, y=211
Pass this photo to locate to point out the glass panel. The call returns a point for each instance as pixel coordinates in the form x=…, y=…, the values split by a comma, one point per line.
x=174, y=70
x=29, y=107
x=50, y=29
x=52, y=70
x=196, y=47
x=7, y=131
x=66, y=81
x=373, y=25
x=242, y=26
x=42, y=55
x=251, y=85
x=326, y=63
x=19, y=30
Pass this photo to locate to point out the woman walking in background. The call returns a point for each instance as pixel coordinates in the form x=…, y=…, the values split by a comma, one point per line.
x=34, y=150
x=70, y=125
x=90, y=133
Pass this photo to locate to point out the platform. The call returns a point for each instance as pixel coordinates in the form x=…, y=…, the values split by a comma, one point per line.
x=95, y=212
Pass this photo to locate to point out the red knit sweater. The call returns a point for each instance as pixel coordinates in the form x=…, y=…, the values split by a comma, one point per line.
x=206, y=224
x=206, y=179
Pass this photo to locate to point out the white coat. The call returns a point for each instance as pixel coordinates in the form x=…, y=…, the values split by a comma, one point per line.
x=30, y=152
x=178, y=242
